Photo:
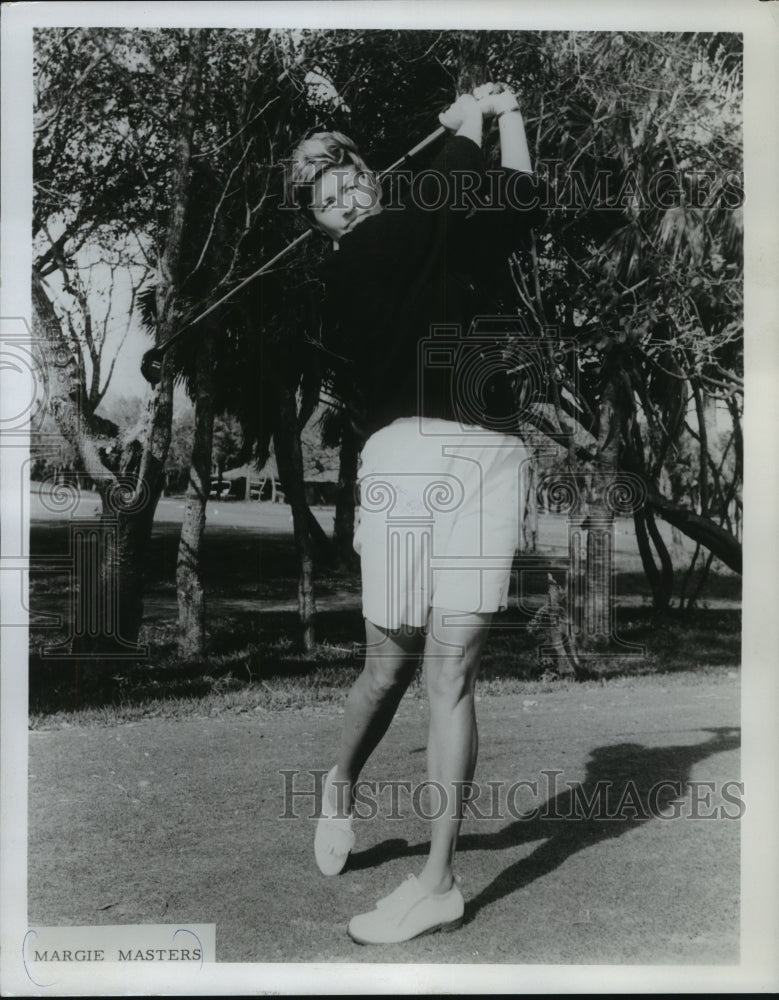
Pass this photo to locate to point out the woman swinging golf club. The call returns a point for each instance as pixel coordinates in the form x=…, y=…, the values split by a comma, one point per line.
x=439, y=515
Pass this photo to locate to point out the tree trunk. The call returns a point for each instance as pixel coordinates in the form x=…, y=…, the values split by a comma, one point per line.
x=109, y=556
x=663, y=597
x=343, y=534
x=169, y=265
x=289, y=458
x=189, y=585
x=598, y=620
x=598, y=583
x=109, y=562
x=530, y=507
x=703, y=448
x=168, y=293
x=702, y=530
x=127, y=577
x=321, y=546
x=661, y=581
x=738, y=472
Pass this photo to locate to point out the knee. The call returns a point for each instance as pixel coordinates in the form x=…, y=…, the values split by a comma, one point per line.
x=449, y=681
x=387, y=676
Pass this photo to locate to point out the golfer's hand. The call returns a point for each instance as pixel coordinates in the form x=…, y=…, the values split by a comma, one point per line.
x=465, y=109
x=495, y=98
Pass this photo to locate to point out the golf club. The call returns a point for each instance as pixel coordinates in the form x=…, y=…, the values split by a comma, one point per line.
x=151, y=363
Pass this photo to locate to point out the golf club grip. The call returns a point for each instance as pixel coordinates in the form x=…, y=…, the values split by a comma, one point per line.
x=417, y=149
x=426, y=142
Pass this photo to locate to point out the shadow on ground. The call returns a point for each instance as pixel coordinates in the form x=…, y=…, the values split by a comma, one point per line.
x=626, y=785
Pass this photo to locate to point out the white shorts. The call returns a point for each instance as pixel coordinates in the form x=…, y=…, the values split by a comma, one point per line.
x=439, y=519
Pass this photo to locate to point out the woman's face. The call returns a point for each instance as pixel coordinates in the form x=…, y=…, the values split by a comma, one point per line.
x=343, y=197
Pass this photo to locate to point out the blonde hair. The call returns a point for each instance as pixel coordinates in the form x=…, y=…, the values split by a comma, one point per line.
x=311, y=158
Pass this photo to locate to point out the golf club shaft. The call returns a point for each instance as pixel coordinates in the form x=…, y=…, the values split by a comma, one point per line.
x=265, y=267
x=160, y=349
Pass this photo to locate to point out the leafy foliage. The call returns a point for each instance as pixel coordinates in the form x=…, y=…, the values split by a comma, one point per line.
x=636, y=136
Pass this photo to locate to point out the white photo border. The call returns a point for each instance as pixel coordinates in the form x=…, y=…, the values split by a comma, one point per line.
x=759, y=23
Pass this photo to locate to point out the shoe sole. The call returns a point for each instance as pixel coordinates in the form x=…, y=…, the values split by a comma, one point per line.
x=329, y=870
x=453, y=925
x=332, y=873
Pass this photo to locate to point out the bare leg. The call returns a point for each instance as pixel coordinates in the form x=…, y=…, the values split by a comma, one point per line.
x=390, y=661
x=453, y=736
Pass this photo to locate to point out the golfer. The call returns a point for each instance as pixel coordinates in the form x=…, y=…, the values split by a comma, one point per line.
x=439, y=476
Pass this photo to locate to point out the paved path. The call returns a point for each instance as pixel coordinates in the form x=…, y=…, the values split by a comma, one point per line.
x=164, y=821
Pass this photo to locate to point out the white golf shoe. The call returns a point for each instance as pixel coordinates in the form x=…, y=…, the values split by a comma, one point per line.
x=407, y=913
x=334, y=838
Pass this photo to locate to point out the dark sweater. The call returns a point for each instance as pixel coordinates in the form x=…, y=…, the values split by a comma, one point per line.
x=398, y=274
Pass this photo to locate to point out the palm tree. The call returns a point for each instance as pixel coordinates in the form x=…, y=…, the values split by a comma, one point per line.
x=640, y=265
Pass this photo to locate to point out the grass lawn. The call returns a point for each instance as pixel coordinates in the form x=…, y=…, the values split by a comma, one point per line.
x=253, y=660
